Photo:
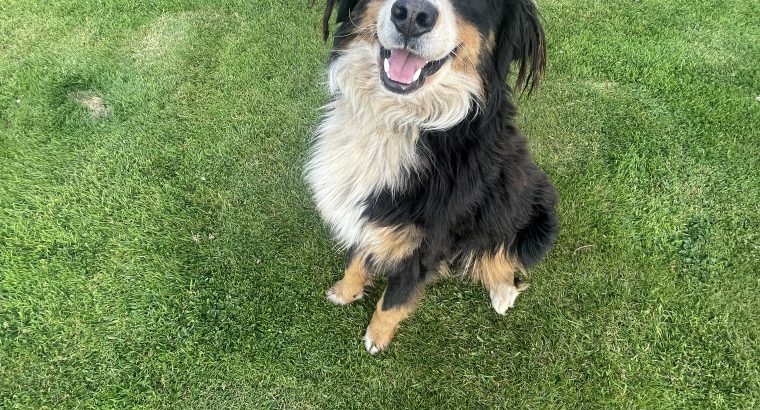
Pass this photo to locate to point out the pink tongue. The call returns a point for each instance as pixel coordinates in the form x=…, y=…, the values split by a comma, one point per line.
x=403, y=65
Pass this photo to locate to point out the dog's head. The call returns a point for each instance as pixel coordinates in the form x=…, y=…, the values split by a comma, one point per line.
x=419, y=45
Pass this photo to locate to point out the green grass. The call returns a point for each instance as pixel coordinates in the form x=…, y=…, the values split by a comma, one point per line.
x=167, y=254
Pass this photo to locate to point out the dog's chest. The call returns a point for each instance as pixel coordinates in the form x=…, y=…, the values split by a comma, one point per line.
x=353, y=157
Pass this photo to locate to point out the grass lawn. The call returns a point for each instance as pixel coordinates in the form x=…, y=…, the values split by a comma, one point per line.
x=158, y=248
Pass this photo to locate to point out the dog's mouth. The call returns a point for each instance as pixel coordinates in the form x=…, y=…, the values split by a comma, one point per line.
x=402, y=71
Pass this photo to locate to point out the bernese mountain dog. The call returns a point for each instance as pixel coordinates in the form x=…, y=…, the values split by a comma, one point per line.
x=417, y=165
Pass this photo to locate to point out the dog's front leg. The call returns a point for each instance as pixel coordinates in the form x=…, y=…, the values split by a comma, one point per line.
x=355, y=278
x=402, y=294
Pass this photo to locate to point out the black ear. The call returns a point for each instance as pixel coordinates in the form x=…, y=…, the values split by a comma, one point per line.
x=343, y=14
x=521, y=39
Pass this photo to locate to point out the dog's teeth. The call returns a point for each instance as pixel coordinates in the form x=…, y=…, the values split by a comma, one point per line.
x=417, y=74
x=386, y=65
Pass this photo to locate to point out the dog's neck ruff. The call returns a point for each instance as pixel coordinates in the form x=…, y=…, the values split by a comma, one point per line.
x=367, y=140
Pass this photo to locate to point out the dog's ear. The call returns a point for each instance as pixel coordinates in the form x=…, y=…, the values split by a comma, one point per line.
x=343, y=14
x=521, y=39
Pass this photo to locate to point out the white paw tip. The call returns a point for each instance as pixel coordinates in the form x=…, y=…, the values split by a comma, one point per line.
x=503, y=297
x=334, y=298
x=369, y=345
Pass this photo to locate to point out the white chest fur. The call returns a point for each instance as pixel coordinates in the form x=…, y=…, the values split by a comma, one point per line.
x=366, y=140
x=350, y=160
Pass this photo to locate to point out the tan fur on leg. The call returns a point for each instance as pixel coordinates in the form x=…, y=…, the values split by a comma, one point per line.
x=493, y=269
x=351, y=287
x=497, y=273
x=389, y=244
x=384, y=323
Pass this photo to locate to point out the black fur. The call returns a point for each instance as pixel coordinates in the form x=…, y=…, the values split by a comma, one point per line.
x=481, y=191
x=478, y=189
x=342, y=15
x=404, y=280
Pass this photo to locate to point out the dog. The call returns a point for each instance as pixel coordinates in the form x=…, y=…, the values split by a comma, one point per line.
x=417, y=166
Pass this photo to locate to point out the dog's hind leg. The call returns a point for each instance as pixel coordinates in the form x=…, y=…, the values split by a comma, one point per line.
x=355, y=279
x=496, y=271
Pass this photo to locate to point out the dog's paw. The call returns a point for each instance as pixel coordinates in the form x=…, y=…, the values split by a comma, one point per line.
x=339, y=295
x=503, y=297
x=374, y=344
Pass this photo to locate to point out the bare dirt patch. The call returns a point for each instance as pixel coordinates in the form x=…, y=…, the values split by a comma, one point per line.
x=95, y=104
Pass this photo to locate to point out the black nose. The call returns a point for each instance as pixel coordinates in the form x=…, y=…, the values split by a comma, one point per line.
x=413, y=18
